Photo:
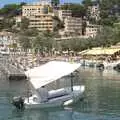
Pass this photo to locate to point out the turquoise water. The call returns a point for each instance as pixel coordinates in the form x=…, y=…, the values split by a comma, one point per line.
x=102, y=99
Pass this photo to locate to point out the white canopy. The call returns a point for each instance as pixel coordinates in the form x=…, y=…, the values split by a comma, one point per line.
x=49, y=72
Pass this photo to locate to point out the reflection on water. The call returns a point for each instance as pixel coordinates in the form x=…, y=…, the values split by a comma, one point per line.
x=102, y=98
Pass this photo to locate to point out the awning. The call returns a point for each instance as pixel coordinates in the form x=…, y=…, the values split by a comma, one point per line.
x=49, y=72
x=102, y=51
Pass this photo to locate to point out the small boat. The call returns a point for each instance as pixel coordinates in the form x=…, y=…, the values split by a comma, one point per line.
x=117, y=67
x=41, y=76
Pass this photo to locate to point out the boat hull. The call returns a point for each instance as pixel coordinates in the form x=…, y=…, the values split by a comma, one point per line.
x=65, y=100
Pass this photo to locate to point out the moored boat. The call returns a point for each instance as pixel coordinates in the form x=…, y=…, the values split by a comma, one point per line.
x=41, y=76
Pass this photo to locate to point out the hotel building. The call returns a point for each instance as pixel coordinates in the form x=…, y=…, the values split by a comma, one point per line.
x=39, y=15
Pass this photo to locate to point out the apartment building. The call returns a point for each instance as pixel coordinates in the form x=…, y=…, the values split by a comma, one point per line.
x=91, y=30
x=62, y=14
x=73, y=25
x=39, y=15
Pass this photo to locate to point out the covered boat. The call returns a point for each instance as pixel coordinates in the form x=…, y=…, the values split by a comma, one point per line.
x=45, y=74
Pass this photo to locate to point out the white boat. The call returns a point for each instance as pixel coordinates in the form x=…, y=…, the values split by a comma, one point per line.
x=45, y=74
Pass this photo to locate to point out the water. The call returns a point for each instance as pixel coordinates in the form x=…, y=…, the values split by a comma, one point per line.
x=102, y=99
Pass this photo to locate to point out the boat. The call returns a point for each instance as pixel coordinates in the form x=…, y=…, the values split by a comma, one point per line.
x=117, y=67
x=45, y=74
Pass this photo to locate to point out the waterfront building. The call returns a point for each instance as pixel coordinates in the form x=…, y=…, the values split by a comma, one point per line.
x=39, y=15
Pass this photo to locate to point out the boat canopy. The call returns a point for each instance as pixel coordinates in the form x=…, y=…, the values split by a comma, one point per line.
x=49, y=72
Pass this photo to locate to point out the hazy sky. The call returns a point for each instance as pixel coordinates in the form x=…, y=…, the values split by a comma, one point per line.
x=3, y=2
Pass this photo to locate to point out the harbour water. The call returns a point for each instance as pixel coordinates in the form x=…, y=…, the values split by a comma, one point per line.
x=102, y=99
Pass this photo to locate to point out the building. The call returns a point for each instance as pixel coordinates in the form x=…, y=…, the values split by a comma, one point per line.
x=94, y=12
x=39, y=15
x=18, y=20
x=73, y=25
x=1, y=18
x=62, y=14
x=91, y=30
x=6, y=38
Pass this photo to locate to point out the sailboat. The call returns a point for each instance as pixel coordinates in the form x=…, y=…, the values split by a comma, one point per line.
x=45, y=74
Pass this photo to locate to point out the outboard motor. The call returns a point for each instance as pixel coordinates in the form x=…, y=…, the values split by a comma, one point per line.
x=18, y=102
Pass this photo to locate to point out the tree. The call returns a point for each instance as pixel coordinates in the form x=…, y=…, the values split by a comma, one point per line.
x=58, y=23
x=31, y=32
x=25, y=42
x=44, y=42
x=76, y=44
x=108, y=11
x=78, y=10
x=116, y=33
x=49, y=41
x=1, y=24
x=55, y=2
x=105, y=37
x=38, y=43
x=24, y=23
x=87, y=3
x=22, y=3
x=10, y=10
x=8, y=23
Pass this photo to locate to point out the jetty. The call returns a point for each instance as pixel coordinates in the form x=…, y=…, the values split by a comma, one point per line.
x=13, y=72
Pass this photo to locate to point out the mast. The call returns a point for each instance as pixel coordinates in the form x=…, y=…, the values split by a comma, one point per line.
x=28, y=88
x=71, y=81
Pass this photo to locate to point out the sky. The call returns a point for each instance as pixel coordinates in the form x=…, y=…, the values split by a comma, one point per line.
x=3, y=2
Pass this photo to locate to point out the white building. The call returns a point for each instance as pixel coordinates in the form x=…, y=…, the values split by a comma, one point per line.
x=18, y=20
x=62, y=14
x=73, y=25
x=91, y=30
x=94, y=11
x=39, y=15
x=6, y=38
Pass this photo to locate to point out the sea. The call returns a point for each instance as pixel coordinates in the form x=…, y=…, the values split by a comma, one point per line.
x=101, y=98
